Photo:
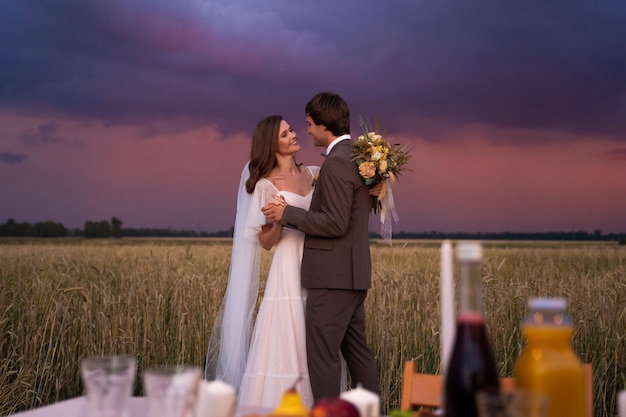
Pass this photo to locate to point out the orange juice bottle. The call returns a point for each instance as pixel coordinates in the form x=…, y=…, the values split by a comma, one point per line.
x=548, y=364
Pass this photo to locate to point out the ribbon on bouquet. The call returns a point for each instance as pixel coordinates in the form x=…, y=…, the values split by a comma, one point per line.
x=387, y=211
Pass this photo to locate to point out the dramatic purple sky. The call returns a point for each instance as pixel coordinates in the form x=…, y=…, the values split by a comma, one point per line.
x=143, y=109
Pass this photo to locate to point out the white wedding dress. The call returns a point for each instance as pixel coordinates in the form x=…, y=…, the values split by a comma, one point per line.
x=277, y=357
x=263, y=361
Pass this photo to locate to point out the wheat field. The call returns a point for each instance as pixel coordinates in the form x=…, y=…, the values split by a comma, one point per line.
x=65, y=299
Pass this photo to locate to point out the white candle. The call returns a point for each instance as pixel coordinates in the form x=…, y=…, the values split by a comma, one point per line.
x=447, y=330
x=367, y=402
x=216, y=399
x=622, y=403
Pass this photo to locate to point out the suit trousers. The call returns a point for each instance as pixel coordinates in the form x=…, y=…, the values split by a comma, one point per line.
x=335, y=320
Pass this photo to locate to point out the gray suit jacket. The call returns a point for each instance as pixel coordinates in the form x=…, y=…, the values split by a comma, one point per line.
x=336, y=246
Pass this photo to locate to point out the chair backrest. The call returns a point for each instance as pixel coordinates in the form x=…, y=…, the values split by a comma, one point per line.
x=424, y=390
x=588, y=374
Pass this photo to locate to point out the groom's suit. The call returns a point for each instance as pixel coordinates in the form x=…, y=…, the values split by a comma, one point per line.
x=336, y=271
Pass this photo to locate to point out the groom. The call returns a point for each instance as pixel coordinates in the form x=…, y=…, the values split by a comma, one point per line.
x=336, y=264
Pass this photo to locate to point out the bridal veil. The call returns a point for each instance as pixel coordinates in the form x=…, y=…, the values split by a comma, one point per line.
x=230, y=337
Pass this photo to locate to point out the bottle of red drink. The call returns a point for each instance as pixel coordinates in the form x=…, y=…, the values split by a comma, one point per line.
x=472, y=367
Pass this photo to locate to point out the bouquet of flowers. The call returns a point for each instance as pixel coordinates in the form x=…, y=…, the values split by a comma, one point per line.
x=380, y=161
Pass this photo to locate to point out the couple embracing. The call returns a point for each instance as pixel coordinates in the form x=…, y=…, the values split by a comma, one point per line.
x=312, y=315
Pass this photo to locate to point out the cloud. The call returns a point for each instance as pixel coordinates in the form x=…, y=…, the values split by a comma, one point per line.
x=12, y=158
x=135, y=61
x=45, y=134
x=617, y=154
x=423, y=66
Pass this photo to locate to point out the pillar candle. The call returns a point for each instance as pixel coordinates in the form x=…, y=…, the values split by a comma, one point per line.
x=446, y=334
x=367, y=402
x=216, y=399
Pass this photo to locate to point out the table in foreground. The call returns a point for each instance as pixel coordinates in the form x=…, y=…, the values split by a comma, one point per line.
x=138, y=407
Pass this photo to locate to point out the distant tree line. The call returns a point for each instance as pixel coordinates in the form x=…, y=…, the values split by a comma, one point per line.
x=93, y=229
x=169, y=232
x=573, y=236
x=98, y=229
x=40, y=229
x=113, y=229
x=103, y=228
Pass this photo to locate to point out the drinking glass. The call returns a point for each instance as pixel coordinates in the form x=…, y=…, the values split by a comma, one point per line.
x=489, y=404
x=520, y=403
x=108, y=382
x=172, y=390
x=526, y=403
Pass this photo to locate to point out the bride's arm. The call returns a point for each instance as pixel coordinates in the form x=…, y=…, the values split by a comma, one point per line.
x=270, y=235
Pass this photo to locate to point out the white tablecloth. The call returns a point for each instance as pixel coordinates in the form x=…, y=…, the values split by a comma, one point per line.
x=138, y=408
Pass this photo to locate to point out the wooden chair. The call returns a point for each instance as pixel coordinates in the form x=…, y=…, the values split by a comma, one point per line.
x=424, y=390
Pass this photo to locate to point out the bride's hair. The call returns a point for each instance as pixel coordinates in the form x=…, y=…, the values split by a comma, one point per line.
x=263, y=150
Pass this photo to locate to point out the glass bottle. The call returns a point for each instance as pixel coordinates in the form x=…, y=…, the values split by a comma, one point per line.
x=548, y=364
x=472, y=366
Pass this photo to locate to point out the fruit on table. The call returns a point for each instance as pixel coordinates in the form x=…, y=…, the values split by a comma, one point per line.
x=334, y=407
x=291, y=404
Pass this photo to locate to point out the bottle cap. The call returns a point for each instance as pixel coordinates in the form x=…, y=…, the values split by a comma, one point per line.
x=469, y=251
x=555, y=303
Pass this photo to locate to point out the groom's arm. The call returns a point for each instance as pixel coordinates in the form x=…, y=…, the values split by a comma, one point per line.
x=336, y=193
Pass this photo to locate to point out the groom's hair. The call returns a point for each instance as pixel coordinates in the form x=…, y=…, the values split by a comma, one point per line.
x=330, y=110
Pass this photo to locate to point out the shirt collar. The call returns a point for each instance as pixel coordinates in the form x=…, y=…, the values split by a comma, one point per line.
x=336, y=141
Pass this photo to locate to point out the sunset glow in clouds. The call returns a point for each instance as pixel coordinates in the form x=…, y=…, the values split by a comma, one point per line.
x=144, y=109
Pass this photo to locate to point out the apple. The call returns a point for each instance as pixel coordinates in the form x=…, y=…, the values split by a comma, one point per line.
x=334, y=407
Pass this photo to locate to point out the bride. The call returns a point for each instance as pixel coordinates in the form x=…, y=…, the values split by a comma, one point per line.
x=265, y=361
